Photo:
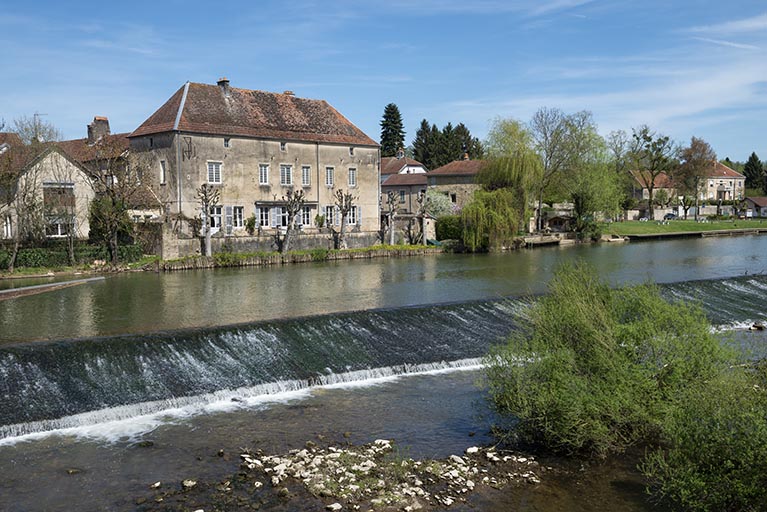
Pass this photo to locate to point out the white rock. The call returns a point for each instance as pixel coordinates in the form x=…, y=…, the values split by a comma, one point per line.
x=188, y=484
x=257, y=484
x=155, y=485
x=334, y=506
x=457, y=460
x=472, y=450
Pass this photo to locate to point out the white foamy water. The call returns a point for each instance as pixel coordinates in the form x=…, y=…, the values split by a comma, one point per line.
x=130, y=422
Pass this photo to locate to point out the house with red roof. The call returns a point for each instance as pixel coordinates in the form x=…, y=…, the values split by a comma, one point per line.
x=723, y=183
x=43, y=191
x=457, y=180
x=756, y=206
x=254, y=146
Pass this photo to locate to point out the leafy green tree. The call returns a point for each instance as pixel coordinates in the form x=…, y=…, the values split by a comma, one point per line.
x=697, y=161
x=497, y=213
x=594, y=189
x=506, y=137
x=652, y=154
x=754, y=172
x=563, y=142
x=392, y=131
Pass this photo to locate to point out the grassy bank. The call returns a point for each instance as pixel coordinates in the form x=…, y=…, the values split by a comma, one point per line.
x=634, y=227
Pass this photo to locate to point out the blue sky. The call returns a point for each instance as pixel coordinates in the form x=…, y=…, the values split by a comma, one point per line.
x=684, y=68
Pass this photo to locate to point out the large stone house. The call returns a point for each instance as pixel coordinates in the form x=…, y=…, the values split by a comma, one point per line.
x=254, y=146
x=456, y=179
x=723, y=183
x=720, y=182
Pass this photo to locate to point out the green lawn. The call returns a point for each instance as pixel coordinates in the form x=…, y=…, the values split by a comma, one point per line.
x=634, y=227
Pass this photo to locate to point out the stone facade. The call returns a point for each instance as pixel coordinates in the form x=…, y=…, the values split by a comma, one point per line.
x=254, y=147
x=62, y=189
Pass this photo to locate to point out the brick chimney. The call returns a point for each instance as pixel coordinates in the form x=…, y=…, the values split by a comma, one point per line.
x=97, y=129
x=223, y=83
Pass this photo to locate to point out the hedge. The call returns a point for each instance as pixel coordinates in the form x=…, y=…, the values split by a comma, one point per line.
x=57, y=256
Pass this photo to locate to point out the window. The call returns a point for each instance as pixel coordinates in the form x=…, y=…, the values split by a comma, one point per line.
x=263, y=216
x=263, y=174
x=59, y=225
x=214, y=172
x=286, y=175
x=151, y=142
x=453, y=198
x=238, y=218
x=227, y=142
x=401, y=196
x=283, y=146
x=281, y=216
x=329, y=176
x=351, y=151
x=215, y=219
x=306, y=216
x=352, y=176
x=163, y=171
x=353, y=217
x=306, y=176
x=330, y=216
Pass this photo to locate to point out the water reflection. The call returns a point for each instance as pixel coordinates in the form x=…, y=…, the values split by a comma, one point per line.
x=149, y=302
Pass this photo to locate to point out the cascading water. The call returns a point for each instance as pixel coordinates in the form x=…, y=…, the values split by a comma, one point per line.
x=48, y=386
x=76, y=383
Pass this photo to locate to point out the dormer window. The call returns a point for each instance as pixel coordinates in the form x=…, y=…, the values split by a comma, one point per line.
x=283, y=146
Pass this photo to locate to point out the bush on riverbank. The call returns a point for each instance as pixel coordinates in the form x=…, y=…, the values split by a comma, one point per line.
x=597, y=369
x=717, y=445
x=57, y=257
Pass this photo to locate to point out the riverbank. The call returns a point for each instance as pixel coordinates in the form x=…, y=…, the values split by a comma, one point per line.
x=680, y=227
x=371, y=476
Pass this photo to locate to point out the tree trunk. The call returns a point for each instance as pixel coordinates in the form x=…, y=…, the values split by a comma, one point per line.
x=288, y=238
x=539, y=213
x=208, y=249
x=391, y=229
x=650, y=191
x=342, y=234
x=113, y=249
x=14, y=254
x=423, y=230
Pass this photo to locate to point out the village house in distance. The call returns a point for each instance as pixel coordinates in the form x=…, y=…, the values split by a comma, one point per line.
x=255, y=146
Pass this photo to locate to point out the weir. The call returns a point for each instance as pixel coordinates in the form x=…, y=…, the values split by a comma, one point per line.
x=47, y=386
x=75, y=383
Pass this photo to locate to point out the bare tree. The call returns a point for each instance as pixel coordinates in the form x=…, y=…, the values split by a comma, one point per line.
x=208, y=196
x=652, y=154
x=120, y=182
x=345, y=204
x=697, y=161
x=20, y=182
x=423, y=203
x=294, y=203
x=391, y=212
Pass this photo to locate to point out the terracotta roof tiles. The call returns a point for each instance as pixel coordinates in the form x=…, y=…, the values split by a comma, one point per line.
x=398, y=180
x=459, y=168
x=393, y=165
x=210, y=109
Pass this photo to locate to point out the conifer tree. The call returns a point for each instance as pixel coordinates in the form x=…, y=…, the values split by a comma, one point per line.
x=392, y=131
x=754, y=172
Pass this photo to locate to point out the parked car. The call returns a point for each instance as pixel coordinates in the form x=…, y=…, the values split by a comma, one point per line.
x=670, y=216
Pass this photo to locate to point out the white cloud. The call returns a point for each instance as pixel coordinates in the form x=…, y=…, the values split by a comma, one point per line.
x=753, y=24
x=730, y=44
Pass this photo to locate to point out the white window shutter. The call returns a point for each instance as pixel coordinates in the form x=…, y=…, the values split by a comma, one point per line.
x=337, y=215
x=274, y=212
x=359, y=215
x=228, y=221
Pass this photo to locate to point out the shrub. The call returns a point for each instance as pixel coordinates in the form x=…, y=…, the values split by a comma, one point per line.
x=594, y=369
x=449, y=227
x=717, y=438
x=319, y=254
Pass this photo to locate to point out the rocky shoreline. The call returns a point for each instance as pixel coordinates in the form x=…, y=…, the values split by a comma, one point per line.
x=374, y=476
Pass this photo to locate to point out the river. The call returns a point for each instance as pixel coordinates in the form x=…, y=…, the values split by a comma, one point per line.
x=143, y=377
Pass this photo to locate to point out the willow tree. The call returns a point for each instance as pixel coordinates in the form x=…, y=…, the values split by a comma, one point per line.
x=497, y=213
